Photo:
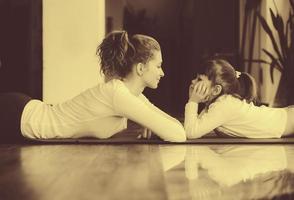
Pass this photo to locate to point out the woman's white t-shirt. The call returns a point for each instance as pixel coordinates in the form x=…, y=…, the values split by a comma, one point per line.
x=98, y=112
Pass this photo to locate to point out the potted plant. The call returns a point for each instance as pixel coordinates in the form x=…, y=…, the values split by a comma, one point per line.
x=282, y=58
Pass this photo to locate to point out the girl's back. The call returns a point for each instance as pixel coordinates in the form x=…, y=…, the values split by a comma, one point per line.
x=244, y=119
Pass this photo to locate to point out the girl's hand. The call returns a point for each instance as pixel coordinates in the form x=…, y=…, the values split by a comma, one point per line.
x=147, y=133
x=191, y=87
x=198, y=92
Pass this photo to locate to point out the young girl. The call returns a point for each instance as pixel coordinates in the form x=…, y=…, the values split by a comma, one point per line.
x=129, y=65
x=229, y=98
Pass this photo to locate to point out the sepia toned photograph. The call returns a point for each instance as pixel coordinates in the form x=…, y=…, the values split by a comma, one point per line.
x=146, y=99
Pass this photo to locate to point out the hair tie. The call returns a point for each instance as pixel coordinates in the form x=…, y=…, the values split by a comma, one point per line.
x=238, y=74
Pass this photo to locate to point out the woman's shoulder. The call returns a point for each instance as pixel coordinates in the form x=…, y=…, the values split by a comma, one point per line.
x=115, y=87
x=103, y=89
x=111, y=85
x=143, y=98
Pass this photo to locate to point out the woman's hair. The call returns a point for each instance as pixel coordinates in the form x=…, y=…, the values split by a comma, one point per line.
x=118, y=52
x=221, y=72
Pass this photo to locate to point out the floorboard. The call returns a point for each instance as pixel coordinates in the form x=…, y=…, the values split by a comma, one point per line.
x=146, y=171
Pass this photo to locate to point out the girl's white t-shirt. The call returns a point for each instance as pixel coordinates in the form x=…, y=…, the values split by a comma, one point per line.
x=235, y=117
x=98, y=112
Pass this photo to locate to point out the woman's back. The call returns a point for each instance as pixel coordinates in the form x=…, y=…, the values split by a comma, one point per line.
x=91, y=113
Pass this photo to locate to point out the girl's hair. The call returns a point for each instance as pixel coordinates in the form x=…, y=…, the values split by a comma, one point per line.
x=118, y=52
x=221, y=72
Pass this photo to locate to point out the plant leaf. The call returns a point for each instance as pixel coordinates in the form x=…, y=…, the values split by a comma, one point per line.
x=256, y=61
x=292, y=4
x=272, y=66
x=264, y=24
x=278, y=65
x=267, y=29
x=288, y=25
x=279, y=26
x=291, y=24
x=274, y=18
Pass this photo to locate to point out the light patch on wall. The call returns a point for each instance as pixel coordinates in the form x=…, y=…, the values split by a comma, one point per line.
x=267, y=89
x=72, y=30
x=270, y=88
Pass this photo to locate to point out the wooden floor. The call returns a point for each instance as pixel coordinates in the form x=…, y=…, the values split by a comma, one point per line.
x=69, y=172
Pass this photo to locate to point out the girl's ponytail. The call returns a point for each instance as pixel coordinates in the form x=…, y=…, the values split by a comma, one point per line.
x=247, y=89
x=240, y=85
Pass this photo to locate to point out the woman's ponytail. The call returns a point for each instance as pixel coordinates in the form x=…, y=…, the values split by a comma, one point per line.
x=115, y=52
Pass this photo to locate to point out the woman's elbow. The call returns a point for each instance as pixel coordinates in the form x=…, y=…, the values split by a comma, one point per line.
x=180, y=138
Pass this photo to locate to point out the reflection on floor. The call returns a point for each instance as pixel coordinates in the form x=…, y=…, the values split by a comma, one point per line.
x=229, y=172
x=146, y=172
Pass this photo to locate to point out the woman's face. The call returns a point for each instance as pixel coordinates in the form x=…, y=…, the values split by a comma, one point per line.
x=153, y=71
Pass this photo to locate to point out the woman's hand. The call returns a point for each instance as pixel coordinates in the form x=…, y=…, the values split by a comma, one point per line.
x=147, y=133
x=198, y=91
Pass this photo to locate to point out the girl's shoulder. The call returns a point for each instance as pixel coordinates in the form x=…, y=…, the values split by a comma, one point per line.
x=228, y=98
x=226, y=101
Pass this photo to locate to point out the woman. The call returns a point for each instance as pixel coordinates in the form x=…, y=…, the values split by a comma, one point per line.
x=129, y=65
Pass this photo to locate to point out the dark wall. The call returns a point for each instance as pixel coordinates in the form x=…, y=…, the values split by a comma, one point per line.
x=188, y=31
x=21, y=46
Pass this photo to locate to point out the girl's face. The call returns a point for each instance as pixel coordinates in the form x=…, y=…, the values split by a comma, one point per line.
x=212, y=90
x=153, y=71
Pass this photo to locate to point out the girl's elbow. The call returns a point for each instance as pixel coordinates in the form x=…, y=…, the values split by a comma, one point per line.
x=192, y=135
